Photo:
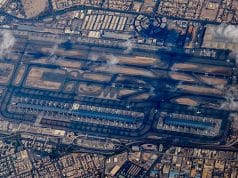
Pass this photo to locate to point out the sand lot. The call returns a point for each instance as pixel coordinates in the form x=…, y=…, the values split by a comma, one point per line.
x=34, y=79
x=6, y=71
x=34, y=7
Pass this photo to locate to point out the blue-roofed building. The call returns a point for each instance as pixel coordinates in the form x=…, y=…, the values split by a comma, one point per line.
x=189, y=123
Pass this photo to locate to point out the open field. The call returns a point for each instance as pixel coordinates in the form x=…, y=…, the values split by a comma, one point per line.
x=181, y=76
x=186, y=101
x=143, y=96
x=96, y=77
x=182, y=66
x=200, y=90
x=136, y=60
x=62, y=52
x=6, y=71
x=213, y=80
x=125, y=70
x=59, y=61
x=69, y=87
x=12, y=56
x=124, y=92
x=202, y=68
x=33, y=8
x=34, y=79
x=89, y=89
x=19, y=76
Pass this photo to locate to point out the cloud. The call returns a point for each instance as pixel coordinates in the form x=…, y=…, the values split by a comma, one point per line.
x=231, y=96
x=235, y=57
x=152, y=91
x=220, y=87
x=94, y=56
x=230, y=104
x=234, y=117
x=129, y=46
x=52, y=56
x=8, y=41
x=227, y=32
x=53, y=50
x=112, y=60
